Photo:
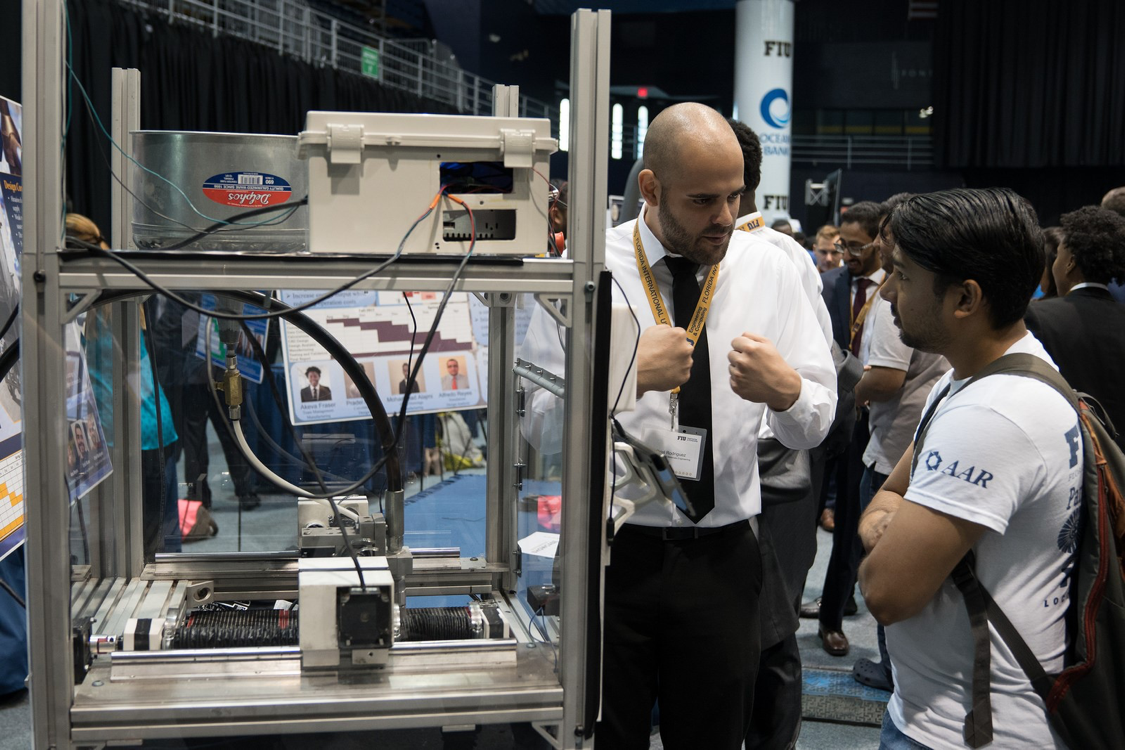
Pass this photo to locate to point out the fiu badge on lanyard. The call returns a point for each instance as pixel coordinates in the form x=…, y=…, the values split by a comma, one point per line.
x=682, y=447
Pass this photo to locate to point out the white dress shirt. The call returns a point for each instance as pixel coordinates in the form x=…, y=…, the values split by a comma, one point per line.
x=806, y=269
x=758, y=291
x=876, y=278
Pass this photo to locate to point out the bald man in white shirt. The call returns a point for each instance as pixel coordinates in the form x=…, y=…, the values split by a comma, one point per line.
x=681, y=592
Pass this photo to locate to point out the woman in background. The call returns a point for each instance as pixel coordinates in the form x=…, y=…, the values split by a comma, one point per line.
x=159, y=487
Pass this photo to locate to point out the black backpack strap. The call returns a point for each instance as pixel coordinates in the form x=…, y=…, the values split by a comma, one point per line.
x=982, y=608
x=920, y=435
x=979, y=601
x=1030, y=366
x=978, y=722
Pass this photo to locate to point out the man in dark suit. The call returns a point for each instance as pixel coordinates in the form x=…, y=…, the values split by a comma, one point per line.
x=314, y=391
x=1114, y=201
x=1083, y=329
x=406, y=380
x=849, y=293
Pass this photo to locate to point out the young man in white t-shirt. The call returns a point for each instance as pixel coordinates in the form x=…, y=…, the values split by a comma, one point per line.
x=999, y=473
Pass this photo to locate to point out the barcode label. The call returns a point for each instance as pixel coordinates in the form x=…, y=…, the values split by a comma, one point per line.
x=249, y=179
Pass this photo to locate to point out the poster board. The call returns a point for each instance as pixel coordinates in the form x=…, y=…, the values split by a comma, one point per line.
x=11, y=247
x=378, y=330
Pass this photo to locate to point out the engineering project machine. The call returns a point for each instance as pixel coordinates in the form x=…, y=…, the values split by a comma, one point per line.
x=324, y=633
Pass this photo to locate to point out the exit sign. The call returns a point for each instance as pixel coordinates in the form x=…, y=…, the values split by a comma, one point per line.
x=369, y=62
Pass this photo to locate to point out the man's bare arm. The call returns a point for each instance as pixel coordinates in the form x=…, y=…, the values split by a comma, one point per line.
x=911, y=549
x=879, y=384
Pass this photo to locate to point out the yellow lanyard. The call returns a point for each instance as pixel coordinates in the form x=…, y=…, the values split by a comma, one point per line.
x=857, y=324
x=652, y=291
x=753, y=224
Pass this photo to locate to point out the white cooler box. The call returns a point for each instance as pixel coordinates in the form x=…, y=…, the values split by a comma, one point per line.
x=371, y=175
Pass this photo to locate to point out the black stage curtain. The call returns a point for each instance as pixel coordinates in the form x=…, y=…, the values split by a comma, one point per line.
x=1029, y=84
x=191, y=80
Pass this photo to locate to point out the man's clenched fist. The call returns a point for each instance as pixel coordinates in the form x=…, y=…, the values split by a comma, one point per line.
x=759, y=374
x=663, y=359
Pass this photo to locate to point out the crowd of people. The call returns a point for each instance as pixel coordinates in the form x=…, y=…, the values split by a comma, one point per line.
x=793, y=372
x=828, y=351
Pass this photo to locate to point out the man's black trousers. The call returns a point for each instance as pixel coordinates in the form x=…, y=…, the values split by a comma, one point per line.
x=843, y=565
x=681, y=625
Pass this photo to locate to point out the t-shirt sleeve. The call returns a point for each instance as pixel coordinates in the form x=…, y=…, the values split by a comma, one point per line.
x=976, y=464
x=887, y=349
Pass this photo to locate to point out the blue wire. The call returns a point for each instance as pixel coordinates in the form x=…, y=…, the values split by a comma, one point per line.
x=176, y=187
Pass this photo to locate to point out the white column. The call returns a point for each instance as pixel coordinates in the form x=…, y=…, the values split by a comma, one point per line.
x=763, y=84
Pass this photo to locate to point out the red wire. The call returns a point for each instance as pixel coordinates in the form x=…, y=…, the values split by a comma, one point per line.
x=472, y=220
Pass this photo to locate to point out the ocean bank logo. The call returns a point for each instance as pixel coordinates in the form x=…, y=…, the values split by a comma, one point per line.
x=775, y=109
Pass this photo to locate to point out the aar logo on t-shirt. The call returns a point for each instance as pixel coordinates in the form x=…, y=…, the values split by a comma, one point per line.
x=933, y=461
x=970, y=475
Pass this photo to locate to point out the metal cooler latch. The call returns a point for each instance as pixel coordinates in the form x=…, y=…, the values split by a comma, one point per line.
x=519, y=148
x=345, y=144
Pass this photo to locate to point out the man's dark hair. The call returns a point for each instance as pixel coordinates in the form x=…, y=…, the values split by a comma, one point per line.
x=312, y=369
x=1052, y=238
x=1114, y=201
x=865, y=213
x=888, y=206
x=1095, y=238
x=751, y=153
x=991, y=236
x=896, y=200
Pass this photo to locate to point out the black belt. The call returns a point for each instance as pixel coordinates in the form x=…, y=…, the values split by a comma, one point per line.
x=681, y=533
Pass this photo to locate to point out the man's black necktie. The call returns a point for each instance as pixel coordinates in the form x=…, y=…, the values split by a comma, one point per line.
x=695, y=395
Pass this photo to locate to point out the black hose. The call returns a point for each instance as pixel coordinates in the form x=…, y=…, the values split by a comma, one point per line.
x=9, y=358
x=333, y=347
x=12, y=592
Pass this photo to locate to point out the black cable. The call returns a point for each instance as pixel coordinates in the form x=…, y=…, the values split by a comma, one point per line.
x=353, y=369
x=636, y=346
x=433, y=327
x=268, y=376
x=222, y=227
x=409, y=367
x=261, y=355
x=360, y=378
x=219, y=408
x=115, y=256
x=12, y=592
x=11, y=319
x=82, y=527
x=263, y=433
x=9, y=358
x=331, y=501
x=625, y=377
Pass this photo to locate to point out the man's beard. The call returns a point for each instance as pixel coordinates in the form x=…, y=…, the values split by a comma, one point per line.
x=926, y=335
x=678, y=240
